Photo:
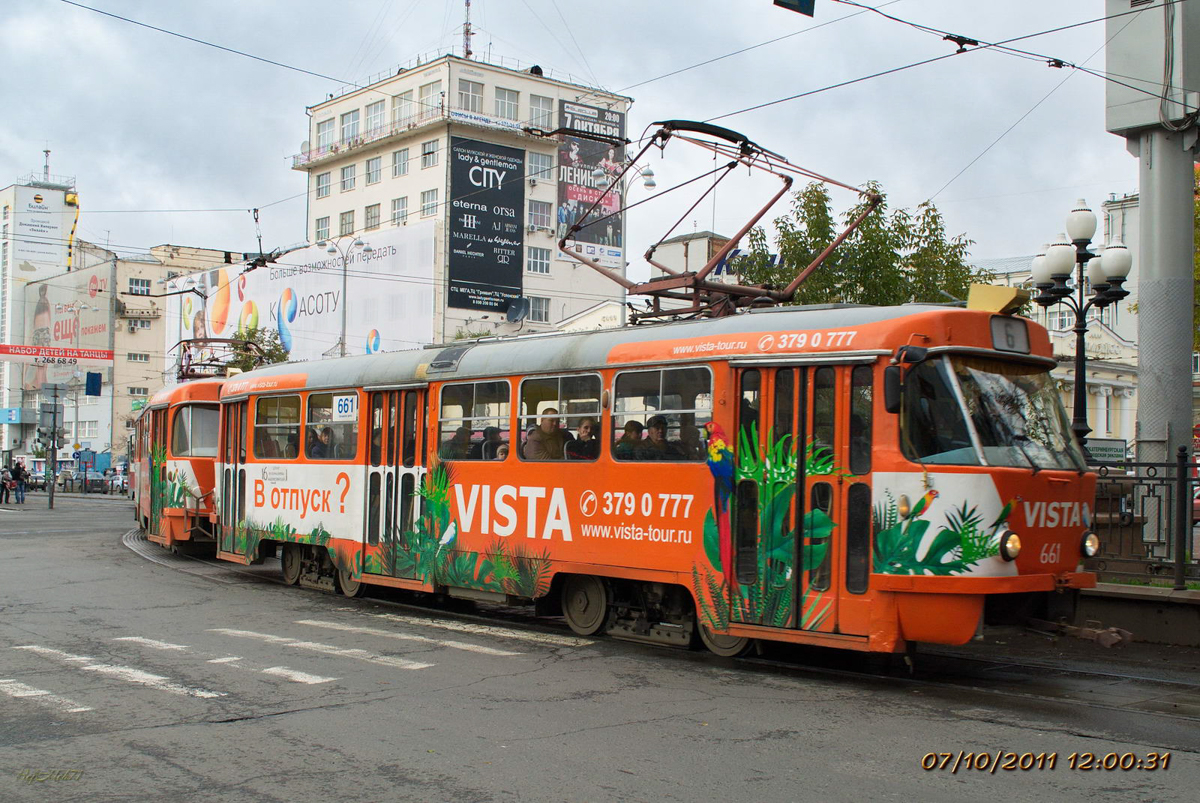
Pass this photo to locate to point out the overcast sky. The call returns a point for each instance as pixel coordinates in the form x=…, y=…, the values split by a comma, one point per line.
x=147, y=121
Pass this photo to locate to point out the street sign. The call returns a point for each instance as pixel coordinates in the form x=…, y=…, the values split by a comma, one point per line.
x=86, y=457
x=75, y=455
x=1106, y=450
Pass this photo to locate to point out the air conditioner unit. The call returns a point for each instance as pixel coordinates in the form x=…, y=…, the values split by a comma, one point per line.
x=132, y=327
x=533, y=182
x=532, y=228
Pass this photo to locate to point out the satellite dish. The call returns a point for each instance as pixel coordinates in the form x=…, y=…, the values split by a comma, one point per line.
x=518, y=310
x=304, y=146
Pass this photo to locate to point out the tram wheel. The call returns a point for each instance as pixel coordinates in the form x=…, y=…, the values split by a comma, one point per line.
x=350, y=587
x=585, y=603
x=725, y=646
x=290, y=564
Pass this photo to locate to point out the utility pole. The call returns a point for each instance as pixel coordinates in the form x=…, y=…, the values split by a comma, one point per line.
x=52, y=457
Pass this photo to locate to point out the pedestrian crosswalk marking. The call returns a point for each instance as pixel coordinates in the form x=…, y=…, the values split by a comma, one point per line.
x=149, y=642
x=284, y=672
x=487, y=630
x=17, y=689
x=126, y=673
x=326, y=649
x=296, y=676
x=374, y=631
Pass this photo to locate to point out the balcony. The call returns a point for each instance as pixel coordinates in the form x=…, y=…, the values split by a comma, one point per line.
x=142, y=313
x=407, y=126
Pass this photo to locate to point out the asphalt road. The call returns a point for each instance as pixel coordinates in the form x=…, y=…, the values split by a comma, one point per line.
x=123, y=678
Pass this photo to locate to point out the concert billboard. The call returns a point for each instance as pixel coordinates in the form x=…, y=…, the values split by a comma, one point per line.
x=600, y=237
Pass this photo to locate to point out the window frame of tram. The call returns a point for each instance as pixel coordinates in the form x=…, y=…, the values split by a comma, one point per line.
x=858, y=498
x=269, y=426
x=457, y=448
x=185, y=428
x=569, y=400
x=632, y=385
x=343, y=432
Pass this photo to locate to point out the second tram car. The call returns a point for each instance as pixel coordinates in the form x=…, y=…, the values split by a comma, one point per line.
x=856, y=477
x=173, y=463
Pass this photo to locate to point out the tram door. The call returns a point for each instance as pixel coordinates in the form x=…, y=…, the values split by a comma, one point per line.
x=802, y=515
x=158, y=467
x=233, y=475
x=394, y=475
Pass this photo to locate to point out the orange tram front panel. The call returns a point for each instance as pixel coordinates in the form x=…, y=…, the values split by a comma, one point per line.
x=744, y=484
x=174, y=455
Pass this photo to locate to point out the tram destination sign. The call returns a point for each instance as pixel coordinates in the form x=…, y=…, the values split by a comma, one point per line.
x=486, y=215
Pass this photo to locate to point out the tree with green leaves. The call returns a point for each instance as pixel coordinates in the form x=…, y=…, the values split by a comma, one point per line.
x=256, y=348
x=893, y=257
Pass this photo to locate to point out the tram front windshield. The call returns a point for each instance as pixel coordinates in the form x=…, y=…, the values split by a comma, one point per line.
x=973, y=411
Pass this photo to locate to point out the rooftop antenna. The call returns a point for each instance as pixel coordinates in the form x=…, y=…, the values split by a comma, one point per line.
x=46, y=166
x=467, y=32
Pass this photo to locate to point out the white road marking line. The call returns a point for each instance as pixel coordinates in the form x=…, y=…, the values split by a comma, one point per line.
x=294, y=675
x=488, y=630
x=228, y=660
x=126, y=673
x=374, y=631
x=15, y=688
x=327, y=649
x=149, y=642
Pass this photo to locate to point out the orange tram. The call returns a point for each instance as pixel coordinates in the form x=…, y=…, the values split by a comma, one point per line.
x=844, y=476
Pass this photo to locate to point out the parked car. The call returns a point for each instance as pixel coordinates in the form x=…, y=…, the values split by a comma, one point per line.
x=118, y=483
x=96, y=483
x=65, y=478
x=35, y=482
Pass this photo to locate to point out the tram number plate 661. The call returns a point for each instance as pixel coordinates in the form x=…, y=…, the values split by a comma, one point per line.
x=647, y=504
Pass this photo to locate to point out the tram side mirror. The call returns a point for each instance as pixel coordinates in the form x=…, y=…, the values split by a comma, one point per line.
x=893, y=387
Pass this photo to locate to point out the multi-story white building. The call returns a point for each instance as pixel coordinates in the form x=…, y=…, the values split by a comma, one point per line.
x=447, y=141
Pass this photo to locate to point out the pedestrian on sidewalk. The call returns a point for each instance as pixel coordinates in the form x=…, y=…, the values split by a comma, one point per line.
x=6, y=481
x=20, y=475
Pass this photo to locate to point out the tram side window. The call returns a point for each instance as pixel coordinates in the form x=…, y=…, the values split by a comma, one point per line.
x=474, y=421
x=860, y=419
x=824, y=411
x=660, y=414
x=332, y=430
x=277, y=428
x=194, y=431
x=560, y=418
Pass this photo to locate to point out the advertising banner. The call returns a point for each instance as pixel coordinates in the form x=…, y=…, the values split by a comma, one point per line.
x=388, y=297
x=41, y=228
x=69, y=327
x=579, y=187
x=486, y=215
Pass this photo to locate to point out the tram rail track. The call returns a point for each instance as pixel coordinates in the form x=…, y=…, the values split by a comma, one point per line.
x=1139, y=694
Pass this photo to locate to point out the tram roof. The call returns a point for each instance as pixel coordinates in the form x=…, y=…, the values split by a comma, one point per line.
x=559, y=352
x=196, y=390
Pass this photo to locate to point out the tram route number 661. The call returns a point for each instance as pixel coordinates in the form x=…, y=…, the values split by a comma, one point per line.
x=345, y=408
x=668, y=505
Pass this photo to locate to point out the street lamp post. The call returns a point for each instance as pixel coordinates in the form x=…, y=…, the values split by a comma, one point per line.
x=1106, y=272
x=332, y=246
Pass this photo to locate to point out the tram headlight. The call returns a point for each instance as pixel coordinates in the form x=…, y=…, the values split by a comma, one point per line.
x=1010, y=545
x=1090, y=545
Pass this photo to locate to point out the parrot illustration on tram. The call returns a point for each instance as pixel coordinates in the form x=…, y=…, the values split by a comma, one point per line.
x=720, y=463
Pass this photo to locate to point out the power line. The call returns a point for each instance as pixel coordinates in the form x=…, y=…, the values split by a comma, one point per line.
x=209, y=44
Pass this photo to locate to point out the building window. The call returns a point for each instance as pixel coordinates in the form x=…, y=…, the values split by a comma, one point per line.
x=325, y=133
x=374, y=170
x=323, y=181
x=429, y=203
x=539, y=213
x=399, y=211
x=538, y=260
x=539, y=309
x=470, y=96
x=400, y=163
x=139, y=391
x=139, y=287
x=1059, y=320
x=139, y=323
x=541, y=112
x=402, y=108
x=506, y=103
x=346, y=223
x=541, y=165
x=429, y=100
x=1196, y=362
x=348, y=177
x=322, y=231
x=350, y=126
x=376, y=114
x=87, y=429
x=135, y=356
x=371, y=217
x=429, y=153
